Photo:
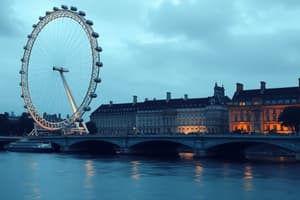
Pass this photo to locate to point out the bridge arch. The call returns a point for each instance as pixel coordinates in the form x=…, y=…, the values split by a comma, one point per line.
x=243, y=147
x=159, y=147
x=94, y=146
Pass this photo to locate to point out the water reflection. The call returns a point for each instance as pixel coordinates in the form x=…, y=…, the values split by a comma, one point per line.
x=34, y=191
x=135, y=170
x=90, y=172
x=226, y=170
x=248, y=184
x=67, y=177
x=34, y=165
x=198, y=172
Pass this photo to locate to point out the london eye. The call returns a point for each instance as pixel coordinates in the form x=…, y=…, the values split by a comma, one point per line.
x=60, y=70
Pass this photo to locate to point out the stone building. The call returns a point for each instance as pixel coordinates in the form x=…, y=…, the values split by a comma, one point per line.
x=165, y=116
x=257, y=110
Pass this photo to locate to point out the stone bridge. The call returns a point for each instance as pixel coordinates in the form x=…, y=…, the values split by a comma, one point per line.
x=4, y=140
x=200, y=145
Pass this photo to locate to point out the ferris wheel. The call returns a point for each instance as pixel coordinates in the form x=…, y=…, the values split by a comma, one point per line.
x=53, y=72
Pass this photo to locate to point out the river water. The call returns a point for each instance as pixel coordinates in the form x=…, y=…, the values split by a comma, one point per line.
x=63, y=176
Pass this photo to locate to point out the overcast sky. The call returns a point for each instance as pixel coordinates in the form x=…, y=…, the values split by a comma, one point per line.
x=182, y=46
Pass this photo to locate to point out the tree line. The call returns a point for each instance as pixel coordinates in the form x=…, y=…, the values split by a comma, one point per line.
x=16, y=126
x=19, y=126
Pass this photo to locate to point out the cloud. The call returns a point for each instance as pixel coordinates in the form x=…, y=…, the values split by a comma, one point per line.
x=193, y=19
x=10, y=25
x=182, y=46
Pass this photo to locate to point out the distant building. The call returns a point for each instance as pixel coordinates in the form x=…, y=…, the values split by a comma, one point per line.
x=257, y=110
x=52, y=117
x=166, y=116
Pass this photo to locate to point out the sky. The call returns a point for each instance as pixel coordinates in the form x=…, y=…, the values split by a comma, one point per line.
x=157, y=46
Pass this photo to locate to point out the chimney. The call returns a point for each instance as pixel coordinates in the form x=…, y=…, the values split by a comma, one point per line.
x=134, y=100
x=299, y=82
x=239, y=87
x=168, y=96
x=262, y=87
x=185, y=97
x=110, y=103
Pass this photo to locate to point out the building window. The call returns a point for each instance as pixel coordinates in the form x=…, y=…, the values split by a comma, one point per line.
x=267, y=114
x=242, y=115
x=274, y=115
x=287, y=101
x=235, y=117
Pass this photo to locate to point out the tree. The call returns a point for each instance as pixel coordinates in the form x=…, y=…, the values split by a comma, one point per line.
x=25, y=124
x=4, y=124
x=290, y=117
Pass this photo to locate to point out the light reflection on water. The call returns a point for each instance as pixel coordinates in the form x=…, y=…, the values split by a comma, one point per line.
x=58, y=176
x=135, y=170
x=248, y=185
x=198, y=172
x=90, y=172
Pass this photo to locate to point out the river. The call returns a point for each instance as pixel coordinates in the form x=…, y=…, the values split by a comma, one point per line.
x=70, y=177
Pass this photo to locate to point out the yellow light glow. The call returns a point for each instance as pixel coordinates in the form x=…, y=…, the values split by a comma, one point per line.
x=186, y=156
x=191, y=129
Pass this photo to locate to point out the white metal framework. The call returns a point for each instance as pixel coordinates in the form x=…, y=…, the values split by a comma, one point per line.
x=76, y=118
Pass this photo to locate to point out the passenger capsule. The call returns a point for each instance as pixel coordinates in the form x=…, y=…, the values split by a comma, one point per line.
x=89, y=22
x=41, y=18
x=99, y=64
x=73, y=8
x=25, y=47
x=22, y=96
x=22, y=60
x=97, y=80
x=34, y=26
x=64, y=7
x=81, y=13
x=25, y=106
x=95, y=35
x=93, y=95
x=99, y=49
x=29, y=36
x=87, y=108
x=21, y=72
x=20, y=84
x=55, y=8
x=47, y=12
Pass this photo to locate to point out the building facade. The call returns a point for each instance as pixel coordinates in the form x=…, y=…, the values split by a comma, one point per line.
x=257, y=110
x=166, y=116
